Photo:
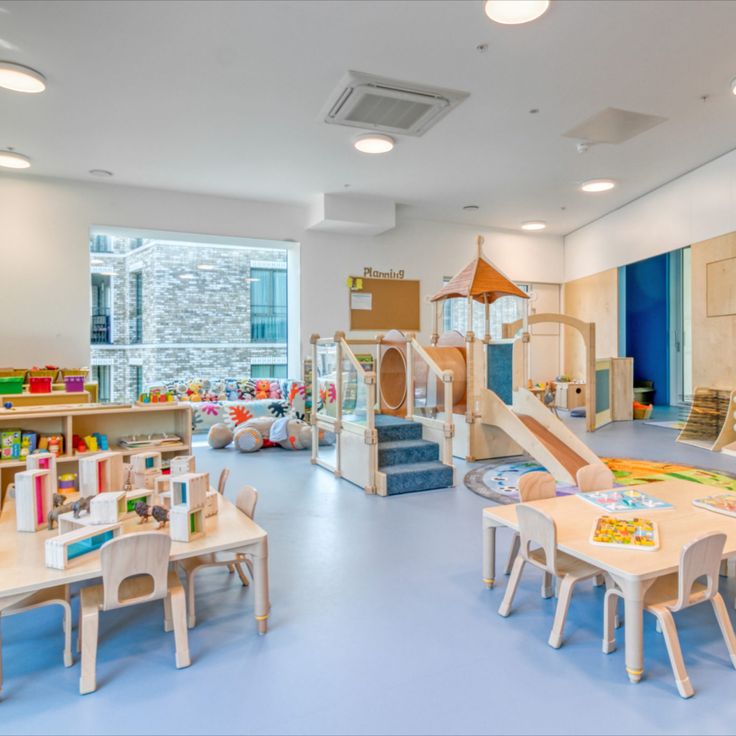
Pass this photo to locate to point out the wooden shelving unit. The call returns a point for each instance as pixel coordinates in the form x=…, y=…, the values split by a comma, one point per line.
x=115, y=421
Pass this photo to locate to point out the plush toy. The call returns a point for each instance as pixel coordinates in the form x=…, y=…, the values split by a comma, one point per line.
x=219, y=436
x=262, y=389
x=256, y=433
x=274, y=390
x=248, y=439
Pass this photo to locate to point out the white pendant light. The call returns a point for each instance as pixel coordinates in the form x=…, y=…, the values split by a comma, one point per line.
x=514, y=12
x=533, y=225
x=13, y=160
x=598, y=185
x=19, y=78
x=374, y=143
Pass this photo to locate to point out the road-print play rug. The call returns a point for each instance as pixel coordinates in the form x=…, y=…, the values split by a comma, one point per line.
x=498, y=480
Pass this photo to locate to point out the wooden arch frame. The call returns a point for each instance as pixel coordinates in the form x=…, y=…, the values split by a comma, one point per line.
x=587, y=331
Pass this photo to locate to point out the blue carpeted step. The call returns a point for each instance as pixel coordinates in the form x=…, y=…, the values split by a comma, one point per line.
x=392, y=428
x=400, y=452
x=417, y=477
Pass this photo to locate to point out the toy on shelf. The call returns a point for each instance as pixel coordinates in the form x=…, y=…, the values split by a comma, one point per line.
x=160, y=439
x=28, y=443
x=146, y=467
x=44, y=461
x=639, y=534
x=722, y=503
x=95, y=442
x=10, y=444
x=8, y=405
x=156, y=396
x=33, y=500
x=53, y=443
x=64, y=548
x=617, y=501
x=100, y=473
x=67, y=482
x=39, y=384
x=108, y=508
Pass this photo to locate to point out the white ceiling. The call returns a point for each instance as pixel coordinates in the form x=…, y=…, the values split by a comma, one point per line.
x=224, y=98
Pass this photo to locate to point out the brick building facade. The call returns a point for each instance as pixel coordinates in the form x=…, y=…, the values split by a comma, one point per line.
x=165, y=311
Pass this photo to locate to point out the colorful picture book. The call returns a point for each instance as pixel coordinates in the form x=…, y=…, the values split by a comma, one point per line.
x=636, y=533
x=722, y=503
x=624, y=499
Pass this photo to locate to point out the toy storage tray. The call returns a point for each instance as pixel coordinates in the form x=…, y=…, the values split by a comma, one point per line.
x=11, y=384
x=639, y=534
x=721, y=503
x=622, y=500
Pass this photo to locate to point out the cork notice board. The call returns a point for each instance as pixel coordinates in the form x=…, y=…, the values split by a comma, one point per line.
x=394, y=305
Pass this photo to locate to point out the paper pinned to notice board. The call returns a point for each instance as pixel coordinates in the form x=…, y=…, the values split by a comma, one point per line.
x=363, y=302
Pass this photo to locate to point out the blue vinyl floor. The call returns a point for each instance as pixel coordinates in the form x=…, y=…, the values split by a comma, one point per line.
x=380, y=624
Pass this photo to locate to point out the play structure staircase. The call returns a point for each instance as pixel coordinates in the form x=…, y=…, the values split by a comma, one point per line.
x=406, y=462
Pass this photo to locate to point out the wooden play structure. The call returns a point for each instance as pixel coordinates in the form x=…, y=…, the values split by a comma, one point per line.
x=467, y=395
x=711, y=423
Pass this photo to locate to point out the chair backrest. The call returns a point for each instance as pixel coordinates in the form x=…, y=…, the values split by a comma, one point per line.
x=538, y=530
x=536, y=485
x=699, y=558
x=142, y=554
x=594, y=477
x=247, y=500
x=224, y=475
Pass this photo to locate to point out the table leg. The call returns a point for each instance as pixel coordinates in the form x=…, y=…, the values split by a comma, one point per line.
x=489, y=553
x=633, y=593
x=260, y=584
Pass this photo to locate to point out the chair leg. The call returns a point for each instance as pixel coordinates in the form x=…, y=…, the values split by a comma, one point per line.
x=68, y=658
x=513, y=551
x=724, y=622
x=673, y=649
x=167, y=614
x=178, y=605
x=89, y=625
x=1, y=653
x=547, y=589
x=241, y=574
x=563, y=603
x=508, y=597
x=191, y=609
x=598, y=580
x=231, y=567
x=724, y=568
x=610, y=604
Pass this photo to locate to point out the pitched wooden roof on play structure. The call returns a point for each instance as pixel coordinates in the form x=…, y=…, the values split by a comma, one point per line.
x=479, y=280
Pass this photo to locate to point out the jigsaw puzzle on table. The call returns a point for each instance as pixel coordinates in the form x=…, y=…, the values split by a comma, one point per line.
x=625, y=533
x=624, y=500
x=723, y=503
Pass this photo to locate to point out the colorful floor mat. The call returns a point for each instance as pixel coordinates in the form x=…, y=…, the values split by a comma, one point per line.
x=498, y=480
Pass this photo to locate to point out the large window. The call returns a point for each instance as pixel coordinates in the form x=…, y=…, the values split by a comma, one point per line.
x=101, y=374
x=268, y=371
x=136, y=310
x=268, y=305
x=136, y=380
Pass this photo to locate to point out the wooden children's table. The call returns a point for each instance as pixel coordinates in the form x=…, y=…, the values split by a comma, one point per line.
x=23, y=569
x=634, y=571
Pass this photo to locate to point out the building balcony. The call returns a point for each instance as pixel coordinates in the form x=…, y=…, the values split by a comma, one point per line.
x=100, y=332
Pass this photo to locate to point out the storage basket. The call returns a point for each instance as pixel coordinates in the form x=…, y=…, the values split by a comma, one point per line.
x=13, y=373
x=39, y=384
x=74, y=384
x=642, y=411
x=11, y=384
x=83, y=372
x=43, y=373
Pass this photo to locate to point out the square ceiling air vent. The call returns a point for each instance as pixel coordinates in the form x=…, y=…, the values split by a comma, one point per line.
x=387, y=105
x=613, y=125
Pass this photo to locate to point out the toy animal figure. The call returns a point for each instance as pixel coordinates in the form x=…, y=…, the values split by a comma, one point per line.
x=59, y=499
x=81, y=504
x=56, y=512
x=161, y=515
x=144, y=511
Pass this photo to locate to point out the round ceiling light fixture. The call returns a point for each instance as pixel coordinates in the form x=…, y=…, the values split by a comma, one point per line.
x=533, y=225
x=13, y=160
x=733, y=85
x=100, y=172
x=206, y=267
x=186, y=276
x=19, y=78
x=597, y=185
x=515, y=12
x=374, y=143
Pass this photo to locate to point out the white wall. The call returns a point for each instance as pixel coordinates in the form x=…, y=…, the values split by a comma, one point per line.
x=44, y=227
x=694, y=207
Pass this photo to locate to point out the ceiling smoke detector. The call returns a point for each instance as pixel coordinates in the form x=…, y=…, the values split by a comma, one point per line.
x=388, y=105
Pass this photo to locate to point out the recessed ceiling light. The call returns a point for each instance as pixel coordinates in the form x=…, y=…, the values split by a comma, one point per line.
x=533, y=225
x=100, y=172
x=471, y=207
x=206, y=267
x=513, y=12
x=186, y=276
x=598, y=185
x=96, y=262
x=374, y=143
x=733, y=85
x=19, y=78
x=12, y=160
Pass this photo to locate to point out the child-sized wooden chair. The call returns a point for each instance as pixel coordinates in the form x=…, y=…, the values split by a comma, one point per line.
x=537, y=528
x=533, y=486
x=246, y=502
x=56, y=596
x=222, y=482
x=700, y=558
x=595, y=477
x=135, y=569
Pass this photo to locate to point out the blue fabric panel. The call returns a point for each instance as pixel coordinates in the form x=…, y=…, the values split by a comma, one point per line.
x=602, y=390
x=499, y=361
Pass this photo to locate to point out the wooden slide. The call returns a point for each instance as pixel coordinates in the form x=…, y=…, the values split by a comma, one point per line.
x=539, y=432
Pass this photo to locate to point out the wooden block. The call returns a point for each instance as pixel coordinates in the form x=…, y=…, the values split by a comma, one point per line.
x=190, y=490
x=146, y=462
x=33, y=499
x=100, y=473
x=108, y=508
x=162, y=484
x=211, y=503
x=63, y=549
x=145, y=479
x=185, y=524
x=183, y=464
x=137, y=495
x=44, y=461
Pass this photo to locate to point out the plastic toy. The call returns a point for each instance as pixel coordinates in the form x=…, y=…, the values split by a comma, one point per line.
x=636, y=533
x=68, y=482
x=624, y=500
x=10, y=444
x=33, y=500
x=160, y=515
x=8, y=405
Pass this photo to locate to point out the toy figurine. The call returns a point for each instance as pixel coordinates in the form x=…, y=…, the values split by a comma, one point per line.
x=53, y=516
x=58, y=499
x=144, y=511
x=161, y=515
x=128, y=486
x=8, y=405
x=81, y=504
